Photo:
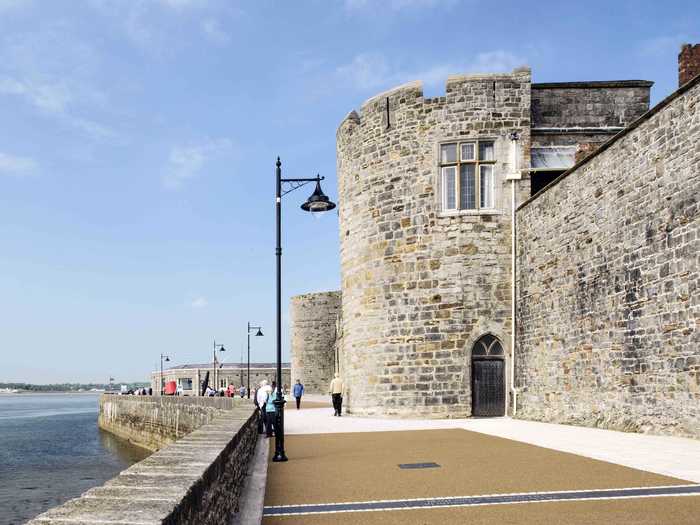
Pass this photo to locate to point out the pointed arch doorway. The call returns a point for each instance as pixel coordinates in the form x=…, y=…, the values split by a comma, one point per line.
x=488, y=377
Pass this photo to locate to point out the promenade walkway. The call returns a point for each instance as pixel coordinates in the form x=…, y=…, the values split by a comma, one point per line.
x=348, y=470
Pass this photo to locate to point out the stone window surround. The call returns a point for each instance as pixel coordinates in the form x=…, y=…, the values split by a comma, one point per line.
x=498, y=167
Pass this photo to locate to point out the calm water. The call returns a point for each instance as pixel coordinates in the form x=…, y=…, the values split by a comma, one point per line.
x=51, y=450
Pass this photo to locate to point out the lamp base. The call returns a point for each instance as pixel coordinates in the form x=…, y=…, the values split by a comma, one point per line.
x=279, y=456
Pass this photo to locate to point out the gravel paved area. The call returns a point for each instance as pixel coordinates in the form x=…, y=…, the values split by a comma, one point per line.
x=348, y=459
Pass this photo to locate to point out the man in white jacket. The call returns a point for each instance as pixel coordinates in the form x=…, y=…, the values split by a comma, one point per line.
x=336, y=389
x=260, y=398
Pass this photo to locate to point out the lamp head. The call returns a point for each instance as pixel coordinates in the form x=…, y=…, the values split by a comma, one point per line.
x=167, y=359
x=259, y=334
x=318, y=201
x=222, y=349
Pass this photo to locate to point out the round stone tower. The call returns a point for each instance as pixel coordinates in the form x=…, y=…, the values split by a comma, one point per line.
x=425, y=264
x=313, y=351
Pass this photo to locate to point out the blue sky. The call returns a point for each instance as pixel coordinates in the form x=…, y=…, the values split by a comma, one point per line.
x=138, y=141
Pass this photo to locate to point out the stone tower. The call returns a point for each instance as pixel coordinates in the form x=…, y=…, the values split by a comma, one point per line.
x=426, y=240
x=314, y=317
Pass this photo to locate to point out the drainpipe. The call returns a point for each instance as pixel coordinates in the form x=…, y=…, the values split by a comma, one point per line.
x=514, y=137
x=512, y=297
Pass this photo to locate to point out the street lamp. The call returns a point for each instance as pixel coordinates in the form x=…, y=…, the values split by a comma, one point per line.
x=317, y=202
x=216, y=374
x=167, y=360
x=258, y=334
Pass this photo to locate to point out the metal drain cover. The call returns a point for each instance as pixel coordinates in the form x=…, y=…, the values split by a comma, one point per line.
x=418, y=465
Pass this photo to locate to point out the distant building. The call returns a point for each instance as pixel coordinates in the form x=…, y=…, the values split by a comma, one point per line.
x=189, y=377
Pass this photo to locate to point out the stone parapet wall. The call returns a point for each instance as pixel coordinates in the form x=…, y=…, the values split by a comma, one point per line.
x=589, y=104
x=608, y=278
x=313, y=324
x=154, y=421
x=197, y=479
x=419, y=286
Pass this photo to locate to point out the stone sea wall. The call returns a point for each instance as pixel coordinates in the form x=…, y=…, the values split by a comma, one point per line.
x=313, y=325
x=154, y=421
x=196, y=479
x=608, y=282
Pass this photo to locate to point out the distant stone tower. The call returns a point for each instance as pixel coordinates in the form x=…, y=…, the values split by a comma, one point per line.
x=313, y=322
x=425, y=231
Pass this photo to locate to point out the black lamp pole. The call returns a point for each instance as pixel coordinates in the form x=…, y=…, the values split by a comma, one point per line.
x=221, y=348
x=317, y=202
x=259, y=334
x=161, y=370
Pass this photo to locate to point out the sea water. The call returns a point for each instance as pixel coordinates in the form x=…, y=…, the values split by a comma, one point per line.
x=51, y=450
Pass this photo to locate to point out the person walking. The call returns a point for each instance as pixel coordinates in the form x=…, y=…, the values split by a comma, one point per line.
x=270, y=409
x=298, y=392
x=337, y=394
x=241, y=391
x=261, y=400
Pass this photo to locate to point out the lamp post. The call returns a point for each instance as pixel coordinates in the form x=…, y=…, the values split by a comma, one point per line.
x=258, y=334
x=167, y=359
x=317, y=202
x=215, y=369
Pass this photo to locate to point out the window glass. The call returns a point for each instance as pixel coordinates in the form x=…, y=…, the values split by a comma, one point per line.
x=486, y=151
x=496, y=349
x=468, y=151
x=486, y=183
x=479, y=349
x=448, y=153
x=449, y=187
x=467, y=186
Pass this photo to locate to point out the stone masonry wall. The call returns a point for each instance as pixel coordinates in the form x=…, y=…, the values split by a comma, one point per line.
x=420, y=285
x=314, y=317
x=589, y=104
x=154, y=421
x=196, y=479
x=608, y=279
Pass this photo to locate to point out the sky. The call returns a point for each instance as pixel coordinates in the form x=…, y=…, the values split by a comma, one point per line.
x=138, y=140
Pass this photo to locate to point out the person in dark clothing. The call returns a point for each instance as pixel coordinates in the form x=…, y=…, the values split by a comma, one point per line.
x=271, y=410
x=298, y=392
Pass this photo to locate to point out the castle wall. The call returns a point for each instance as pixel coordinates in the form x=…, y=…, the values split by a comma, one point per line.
x=608, y=275
x=419, y=284
x=589, y=104
x=313, y=324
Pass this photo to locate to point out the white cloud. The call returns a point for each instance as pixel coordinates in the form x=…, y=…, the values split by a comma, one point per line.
x=185, y=162
x=214, y=32
x=366, y=71
x=16, y=166
x=371, y=71
x=56, y=75
x=155, y=25
x=199, y=303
